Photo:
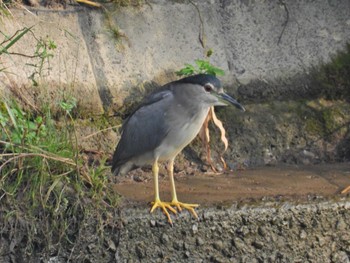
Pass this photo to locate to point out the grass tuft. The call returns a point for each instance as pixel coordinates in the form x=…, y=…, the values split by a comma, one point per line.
x=45, y=180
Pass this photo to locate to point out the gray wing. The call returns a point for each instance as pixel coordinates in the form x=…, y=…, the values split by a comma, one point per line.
x=144, y=130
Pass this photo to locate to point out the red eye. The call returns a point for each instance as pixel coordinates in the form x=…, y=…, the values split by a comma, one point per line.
x=208, y=88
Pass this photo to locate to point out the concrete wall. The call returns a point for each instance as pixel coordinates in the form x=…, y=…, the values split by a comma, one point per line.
x=252, y=40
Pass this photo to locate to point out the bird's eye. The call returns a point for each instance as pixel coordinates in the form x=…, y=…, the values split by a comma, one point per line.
x=208, y=87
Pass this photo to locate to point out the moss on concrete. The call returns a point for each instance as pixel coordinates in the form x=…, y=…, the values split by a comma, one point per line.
x=334, y=77
x=322, y=120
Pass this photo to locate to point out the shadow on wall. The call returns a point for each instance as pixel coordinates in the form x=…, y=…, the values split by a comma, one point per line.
x=330, y=81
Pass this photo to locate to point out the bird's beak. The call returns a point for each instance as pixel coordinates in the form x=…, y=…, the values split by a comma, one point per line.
x=227, y=98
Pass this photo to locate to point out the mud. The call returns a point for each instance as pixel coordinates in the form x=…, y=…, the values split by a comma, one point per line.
x=267, y=214
x=207, y=189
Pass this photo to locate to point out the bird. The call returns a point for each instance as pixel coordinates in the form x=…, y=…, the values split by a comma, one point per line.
x=165, y=122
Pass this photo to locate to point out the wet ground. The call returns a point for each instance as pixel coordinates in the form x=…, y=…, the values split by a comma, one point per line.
x=291, y=182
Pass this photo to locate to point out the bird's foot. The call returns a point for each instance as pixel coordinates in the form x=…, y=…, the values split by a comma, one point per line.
x=165, y=207
x=189, y=207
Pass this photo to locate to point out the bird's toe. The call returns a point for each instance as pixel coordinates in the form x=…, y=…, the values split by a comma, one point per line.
x=165, y=207
x=189, y=207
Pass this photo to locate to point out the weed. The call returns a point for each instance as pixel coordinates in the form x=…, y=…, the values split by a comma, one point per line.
x=48, y=192
x=201, y=66
x=114, y=30
x=4, y=11
x=43, y=52
x=42, y=168
x=334, y=77
x=41, y=55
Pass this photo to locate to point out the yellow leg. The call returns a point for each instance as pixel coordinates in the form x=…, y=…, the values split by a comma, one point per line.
x=174, y=201
x=157, y=203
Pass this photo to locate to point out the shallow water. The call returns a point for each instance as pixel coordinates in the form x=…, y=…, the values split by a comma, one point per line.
x=292, y=182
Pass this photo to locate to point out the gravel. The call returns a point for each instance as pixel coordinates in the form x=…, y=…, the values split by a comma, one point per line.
x=267, y=232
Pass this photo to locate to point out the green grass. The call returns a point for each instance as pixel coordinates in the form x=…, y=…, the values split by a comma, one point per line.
x=45, y=180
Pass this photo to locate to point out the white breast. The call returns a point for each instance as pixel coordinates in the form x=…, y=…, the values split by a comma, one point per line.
x=182, y=132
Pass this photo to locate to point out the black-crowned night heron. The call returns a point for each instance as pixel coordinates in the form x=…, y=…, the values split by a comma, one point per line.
x=166, y=121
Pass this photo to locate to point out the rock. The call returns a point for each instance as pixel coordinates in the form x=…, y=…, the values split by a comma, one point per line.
x=261, y=231
x=194, y=228
x=258, y=244
x=302, y=234
x=178, y=245
x=91, y=248
x=33, y=3
x=199, y=241
x=217, y=259
x=218, y=245
x=153, y=223
x=341, y=225
x=187, y=254
x=340, y=256
x=111, y=245
x=321, y=241
x=138, y=178
x=185, y=246
x=164, y=239
x=239, y=244
x=53, y=260
x=140, y=250
x=243, y=231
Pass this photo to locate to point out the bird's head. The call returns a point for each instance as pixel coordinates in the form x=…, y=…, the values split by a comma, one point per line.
x=207, y=89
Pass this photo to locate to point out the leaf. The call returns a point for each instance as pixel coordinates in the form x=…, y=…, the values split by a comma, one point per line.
x=11, y=115
x=209, y=52
x=16, y=137
x=13, y=41
x=203, y=65
x=187, y=70
x=3, y=120
x=217, y=72
x=69, y=104
x=39, y=120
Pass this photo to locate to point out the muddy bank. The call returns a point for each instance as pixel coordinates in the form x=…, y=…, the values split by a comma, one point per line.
x=269, y=232
x=68, y=236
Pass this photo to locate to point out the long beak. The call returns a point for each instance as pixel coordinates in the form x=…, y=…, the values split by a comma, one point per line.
x=231, y=100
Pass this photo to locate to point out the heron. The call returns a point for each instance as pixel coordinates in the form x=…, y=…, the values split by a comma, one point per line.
x=163, y=124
